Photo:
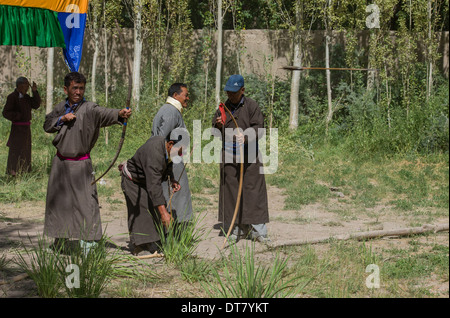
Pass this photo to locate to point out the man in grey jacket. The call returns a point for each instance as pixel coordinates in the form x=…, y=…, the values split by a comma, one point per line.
x=169, y=123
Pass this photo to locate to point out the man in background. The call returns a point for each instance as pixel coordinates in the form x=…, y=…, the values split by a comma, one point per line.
x=18, y=110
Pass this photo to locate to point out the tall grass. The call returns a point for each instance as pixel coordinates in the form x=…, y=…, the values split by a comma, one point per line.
x=242, y=277
x=95, y=270
x=180, y=241
x=42, y=267
x=72, y=271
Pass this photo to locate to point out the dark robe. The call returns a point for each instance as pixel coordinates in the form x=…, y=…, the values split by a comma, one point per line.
x=72, y=209
x=253, y=207
x=18, y=111
x=167, y=120
x=148, y=168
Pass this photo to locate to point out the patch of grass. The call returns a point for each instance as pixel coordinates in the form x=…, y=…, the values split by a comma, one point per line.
x=414, y=264
x=180, y=241
x=310, y=192
x=26, y=187
x=404, y=272
x=73, y=271
x=242, y=277
x=407, y=183
x=195, y=270
x=203, y=177
x=43, y=268
x=4, y=262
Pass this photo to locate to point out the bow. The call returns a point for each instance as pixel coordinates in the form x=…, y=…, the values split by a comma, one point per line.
x=241, y=176
x=124, y=128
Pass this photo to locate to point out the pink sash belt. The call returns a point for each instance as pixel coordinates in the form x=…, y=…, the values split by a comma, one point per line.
x=79, y=158
x=21, y=123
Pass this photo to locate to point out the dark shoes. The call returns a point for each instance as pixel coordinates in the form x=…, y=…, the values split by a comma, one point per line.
x=145, y=249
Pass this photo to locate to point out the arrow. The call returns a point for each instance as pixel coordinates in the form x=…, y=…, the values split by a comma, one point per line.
x=298, y=68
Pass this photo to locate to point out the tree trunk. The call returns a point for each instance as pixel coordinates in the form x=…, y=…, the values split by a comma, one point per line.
x=388, y=96
x=295, y=87
x=371, y=73
x=430, y=55
x=105, y=43
x=219, y=51
x=95, y=56
x=137, y=54
x=295, y=82
x=94, y=66
x=50, y=60
x=206, y=88
x=328, y=74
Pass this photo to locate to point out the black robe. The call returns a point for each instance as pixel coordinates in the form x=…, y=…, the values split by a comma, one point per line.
x=167, y=120
x=253, y=206
x=149, y=167
x=18, y=111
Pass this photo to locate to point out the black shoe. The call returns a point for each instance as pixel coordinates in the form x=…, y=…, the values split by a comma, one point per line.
x=145, y=249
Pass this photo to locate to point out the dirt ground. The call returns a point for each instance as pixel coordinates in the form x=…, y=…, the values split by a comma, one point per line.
x=24, y=221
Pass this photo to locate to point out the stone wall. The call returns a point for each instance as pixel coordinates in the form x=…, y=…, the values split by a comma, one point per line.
x=262, y=53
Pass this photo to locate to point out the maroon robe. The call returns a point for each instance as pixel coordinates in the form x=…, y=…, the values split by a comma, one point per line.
x=18, y=111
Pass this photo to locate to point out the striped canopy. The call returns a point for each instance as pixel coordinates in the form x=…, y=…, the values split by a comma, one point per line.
x=45, y=23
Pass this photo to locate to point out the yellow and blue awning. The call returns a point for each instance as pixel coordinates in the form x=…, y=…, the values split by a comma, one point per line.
x=45, y=23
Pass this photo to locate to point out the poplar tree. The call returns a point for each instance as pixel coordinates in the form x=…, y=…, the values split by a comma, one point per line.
x=94, y=24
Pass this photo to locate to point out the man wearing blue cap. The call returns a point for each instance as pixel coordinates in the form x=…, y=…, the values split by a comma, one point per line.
x=253, y=213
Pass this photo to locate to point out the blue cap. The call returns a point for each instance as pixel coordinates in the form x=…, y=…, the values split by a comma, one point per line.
x=234, y=83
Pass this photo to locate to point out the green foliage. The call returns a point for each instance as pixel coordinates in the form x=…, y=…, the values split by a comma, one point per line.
x=194, y=270
x=371, y=128
x=180, y=240
x=409, y=265
x=242, y=277
x=277, y=108
x=51, y=269
x=397, y=113
x=42, y=267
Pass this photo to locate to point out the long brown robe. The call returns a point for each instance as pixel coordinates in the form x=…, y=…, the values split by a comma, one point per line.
x=72, y=209
x=253, y=207
x=149, y=167
x=18, y=111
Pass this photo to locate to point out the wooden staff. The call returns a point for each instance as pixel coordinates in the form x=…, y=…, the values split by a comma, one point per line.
x=241, y=179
